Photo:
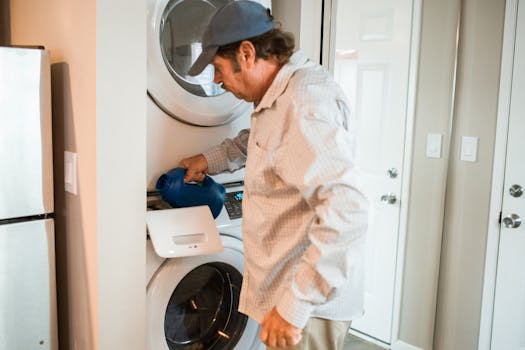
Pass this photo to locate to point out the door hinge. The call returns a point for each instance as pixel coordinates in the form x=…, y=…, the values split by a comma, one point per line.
x=499, y=219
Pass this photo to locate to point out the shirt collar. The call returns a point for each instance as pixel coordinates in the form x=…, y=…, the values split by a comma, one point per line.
x=280, y=82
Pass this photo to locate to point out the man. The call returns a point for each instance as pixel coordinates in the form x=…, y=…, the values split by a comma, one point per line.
x=304, y=216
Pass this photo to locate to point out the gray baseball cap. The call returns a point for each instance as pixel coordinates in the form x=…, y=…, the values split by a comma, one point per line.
x=236, y=21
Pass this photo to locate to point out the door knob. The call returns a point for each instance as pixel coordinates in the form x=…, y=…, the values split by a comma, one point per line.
x=389, y=198
x=515, y=191
x=392, y=173
x=512, y=221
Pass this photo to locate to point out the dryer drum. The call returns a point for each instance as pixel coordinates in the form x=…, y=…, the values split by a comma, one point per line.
x=202, y=310
x=181, y=29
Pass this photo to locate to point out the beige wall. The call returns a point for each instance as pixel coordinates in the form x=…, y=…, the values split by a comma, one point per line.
x=434, y=96
x=67, y=29
x=469, y=184
x=98, y=58
x=448, y=210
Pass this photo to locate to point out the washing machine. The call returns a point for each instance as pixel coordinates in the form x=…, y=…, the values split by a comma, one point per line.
x=192, y=300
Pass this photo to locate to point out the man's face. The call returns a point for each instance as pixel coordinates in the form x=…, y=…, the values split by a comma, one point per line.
x=230, y=74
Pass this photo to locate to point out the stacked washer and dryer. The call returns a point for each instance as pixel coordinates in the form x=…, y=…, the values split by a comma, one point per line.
x=192, y=300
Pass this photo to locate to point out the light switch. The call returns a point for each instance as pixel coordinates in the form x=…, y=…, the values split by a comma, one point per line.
x=469, y=148
x=70, y=172
x=434, y=145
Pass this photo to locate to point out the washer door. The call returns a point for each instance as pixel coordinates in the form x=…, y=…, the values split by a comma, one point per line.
x=192, y=303
x=175, y=29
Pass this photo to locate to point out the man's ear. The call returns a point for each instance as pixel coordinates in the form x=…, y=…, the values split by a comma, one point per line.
x=247, y=53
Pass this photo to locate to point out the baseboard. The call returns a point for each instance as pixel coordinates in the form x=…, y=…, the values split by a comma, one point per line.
x=399, y=345
x=368, y=339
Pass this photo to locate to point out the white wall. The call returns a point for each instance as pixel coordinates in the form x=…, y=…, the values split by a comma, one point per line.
x=303, y=19
x=121, y=172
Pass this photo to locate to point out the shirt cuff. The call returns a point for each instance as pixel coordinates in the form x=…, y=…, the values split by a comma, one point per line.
x=217, y=159
x=293, y=310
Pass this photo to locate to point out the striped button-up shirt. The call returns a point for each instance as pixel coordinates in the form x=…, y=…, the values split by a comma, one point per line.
x=304, y=214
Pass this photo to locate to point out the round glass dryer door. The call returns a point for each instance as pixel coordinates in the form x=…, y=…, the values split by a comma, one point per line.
x=175, y=29
x=181, y=27
x=202, y=311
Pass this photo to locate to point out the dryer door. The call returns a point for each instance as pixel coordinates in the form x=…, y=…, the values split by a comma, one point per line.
x=175, y=29
x=192, y=303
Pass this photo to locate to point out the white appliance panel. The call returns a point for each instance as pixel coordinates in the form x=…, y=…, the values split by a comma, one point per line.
x=27, y=286
x=170, y=140
x=182, y=232
x=26, y=178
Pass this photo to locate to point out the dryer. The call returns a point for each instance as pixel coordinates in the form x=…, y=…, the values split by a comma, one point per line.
x=185, y=115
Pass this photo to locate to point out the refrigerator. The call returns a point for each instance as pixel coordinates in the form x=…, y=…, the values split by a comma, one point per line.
x=28, y=318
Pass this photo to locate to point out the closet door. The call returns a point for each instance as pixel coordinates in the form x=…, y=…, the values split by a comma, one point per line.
x=509, y=305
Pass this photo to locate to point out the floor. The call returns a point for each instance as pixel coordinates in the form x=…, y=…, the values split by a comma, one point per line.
x=354, y=343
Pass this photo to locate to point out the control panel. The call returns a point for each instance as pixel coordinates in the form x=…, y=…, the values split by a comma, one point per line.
x=233, y=204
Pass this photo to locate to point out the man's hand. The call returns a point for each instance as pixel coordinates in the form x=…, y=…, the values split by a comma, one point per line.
x=277, y=332
x=196, y=168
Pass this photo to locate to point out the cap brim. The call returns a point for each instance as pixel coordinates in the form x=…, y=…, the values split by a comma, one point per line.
x=203, y=60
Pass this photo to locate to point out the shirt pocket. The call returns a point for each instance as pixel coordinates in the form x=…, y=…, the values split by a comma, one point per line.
x=259, y=171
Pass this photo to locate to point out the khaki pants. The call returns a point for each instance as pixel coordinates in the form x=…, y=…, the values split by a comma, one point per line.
x=321, y=334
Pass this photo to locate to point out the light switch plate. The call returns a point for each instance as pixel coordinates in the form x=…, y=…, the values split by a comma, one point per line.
x=469, y=148
x=70, y=172
x=434, y=145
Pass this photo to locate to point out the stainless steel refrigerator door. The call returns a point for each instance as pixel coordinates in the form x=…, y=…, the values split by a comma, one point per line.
x=27, y=286
x=26, y=164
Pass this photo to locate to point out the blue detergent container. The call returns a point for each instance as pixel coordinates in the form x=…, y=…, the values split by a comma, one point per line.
x=179, y=194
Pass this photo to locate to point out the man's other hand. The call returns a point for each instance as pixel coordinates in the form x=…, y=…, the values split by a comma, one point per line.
x=277, y=332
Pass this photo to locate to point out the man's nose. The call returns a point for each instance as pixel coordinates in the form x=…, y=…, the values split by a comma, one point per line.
x=217, y=79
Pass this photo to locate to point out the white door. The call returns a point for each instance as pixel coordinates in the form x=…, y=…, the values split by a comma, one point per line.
x=370, y=60
x=508, y=329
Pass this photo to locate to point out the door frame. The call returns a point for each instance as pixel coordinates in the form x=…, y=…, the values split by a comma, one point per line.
x=327, y=54
x=498, y=175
